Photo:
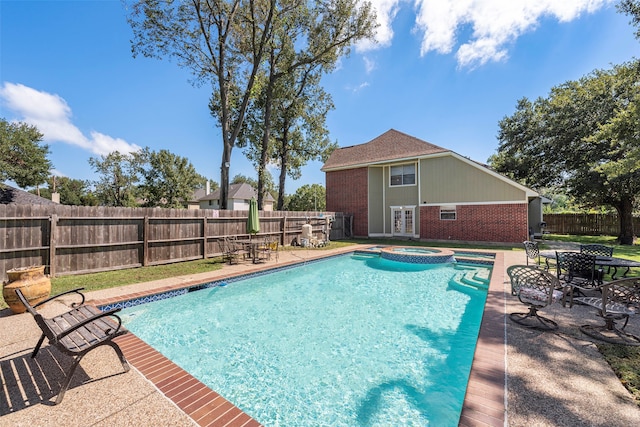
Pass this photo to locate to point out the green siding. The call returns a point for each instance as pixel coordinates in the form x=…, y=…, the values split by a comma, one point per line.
x=400, y=196
x=450, y=180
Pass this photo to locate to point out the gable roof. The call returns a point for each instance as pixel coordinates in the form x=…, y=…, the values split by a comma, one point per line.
x=11, y=195
x=242, y=191
x=391, y=145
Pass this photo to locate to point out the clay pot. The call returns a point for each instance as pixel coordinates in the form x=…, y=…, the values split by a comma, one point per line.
x=33, y=283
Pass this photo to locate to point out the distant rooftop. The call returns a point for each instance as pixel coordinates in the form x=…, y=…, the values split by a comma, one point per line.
x=11, y=195
x=242, y=191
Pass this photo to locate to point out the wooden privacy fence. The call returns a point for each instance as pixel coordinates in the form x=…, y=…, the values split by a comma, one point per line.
x=81, y=239
x=587, y=224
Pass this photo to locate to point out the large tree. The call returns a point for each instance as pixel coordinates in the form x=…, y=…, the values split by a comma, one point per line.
x=308, y=198
x=300, y=132
x=584, y=138
x=22, y=158
x=221, y=41
x=308, y=39
x=117, y=184
x=167, y=180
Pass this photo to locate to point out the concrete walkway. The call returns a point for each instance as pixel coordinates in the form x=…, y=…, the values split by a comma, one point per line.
x=553, y=378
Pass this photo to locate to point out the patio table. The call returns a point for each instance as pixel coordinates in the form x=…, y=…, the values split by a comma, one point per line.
x=252, y=246
x=603, y=261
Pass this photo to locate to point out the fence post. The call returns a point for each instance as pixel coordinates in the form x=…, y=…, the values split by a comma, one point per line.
x=283, y=229
x=145, y=241
x=204, y=235
x=53, y=222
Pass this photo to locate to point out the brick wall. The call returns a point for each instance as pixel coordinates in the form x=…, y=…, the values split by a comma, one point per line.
x=347, y=192
x=480, y=223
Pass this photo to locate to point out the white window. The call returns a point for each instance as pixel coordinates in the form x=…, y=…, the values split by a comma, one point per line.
x=447, y=213
x=403, y=175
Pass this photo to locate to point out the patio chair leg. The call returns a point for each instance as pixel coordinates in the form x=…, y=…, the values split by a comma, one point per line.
x=76, y=362
x=67, y=380
x=544, y=323
x=35, y=350
x=608, y=334
x=123, y=360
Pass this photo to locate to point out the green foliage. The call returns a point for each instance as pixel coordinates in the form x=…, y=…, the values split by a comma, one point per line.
x=222, y=43
x=73, y=192
x=242, y=179
x=118, y=177
x=631, y=8
x=268, y=186
x=285, y=122
x=167, y=180
x=308, y=198
x=226, y=43
x=22, y=158
x=583, y=139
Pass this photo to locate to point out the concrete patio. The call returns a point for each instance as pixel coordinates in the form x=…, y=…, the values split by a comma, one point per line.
x=553, y=378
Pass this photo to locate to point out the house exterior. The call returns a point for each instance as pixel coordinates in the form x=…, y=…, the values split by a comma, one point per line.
x=397, y=185
x=238, y=198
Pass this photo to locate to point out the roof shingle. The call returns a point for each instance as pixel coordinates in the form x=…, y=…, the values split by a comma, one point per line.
x=11, y=195
x=391, y=145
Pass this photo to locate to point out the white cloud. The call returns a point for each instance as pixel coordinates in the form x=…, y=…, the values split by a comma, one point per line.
x=369, y=64
x=386, y=11
x=52, y=116
x=358, y=88
x=495, y=24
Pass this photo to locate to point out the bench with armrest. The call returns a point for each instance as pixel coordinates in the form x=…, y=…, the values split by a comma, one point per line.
x=77, y=332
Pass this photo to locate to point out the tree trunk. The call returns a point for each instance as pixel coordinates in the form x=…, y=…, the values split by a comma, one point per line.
x=224, y=176
x=625, y=216
x=264, y=150
x=283, y=178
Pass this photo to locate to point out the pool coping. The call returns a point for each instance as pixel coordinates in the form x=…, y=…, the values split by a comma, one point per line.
x=484, y=403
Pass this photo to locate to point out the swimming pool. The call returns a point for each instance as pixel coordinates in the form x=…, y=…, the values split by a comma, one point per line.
x=345, y=341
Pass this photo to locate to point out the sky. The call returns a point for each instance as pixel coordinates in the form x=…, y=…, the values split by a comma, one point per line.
x=444, y=71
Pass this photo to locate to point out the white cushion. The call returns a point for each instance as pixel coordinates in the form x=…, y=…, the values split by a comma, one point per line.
x=534, y=296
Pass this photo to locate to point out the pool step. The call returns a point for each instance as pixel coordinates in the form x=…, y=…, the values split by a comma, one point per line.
x=468, y=279
x=365, y=255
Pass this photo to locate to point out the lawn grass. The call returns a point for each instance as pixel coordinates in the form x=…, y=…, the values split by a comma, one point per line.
x=625, y=362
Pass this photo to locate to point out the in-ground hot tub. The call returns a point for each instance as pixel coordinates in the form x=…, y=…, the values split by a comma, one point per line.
x=417, y=255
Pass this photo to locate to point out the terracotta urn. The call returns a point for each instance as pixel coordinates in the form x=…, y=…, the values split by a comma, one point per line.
x=33, y=283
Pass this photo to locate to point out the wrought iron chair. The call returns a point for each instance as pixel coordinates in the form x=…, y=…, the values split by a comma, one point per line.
x=597, y=250
x=532, y=250
x=536, y=288
x=620, y=299
x=578, y=271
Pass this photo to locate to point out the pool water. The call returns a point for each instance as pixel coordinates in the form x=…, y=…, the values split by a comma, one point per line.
x=341, y=342
x=415, y=250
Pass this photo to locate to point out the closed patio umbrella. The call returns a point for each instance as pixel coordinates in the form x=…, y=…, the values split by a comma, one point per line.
x=253, y=221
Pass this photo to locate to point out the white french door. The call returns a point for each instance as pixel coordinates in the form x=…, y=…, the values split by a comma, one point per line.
x=403, y=221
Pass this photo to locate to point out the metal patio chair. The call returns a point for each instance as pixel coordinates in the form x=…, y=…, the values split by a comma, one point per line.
x=532, y=250
x=620, y=299
x=597, y=250
x=578, y=271
x=535, y=288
